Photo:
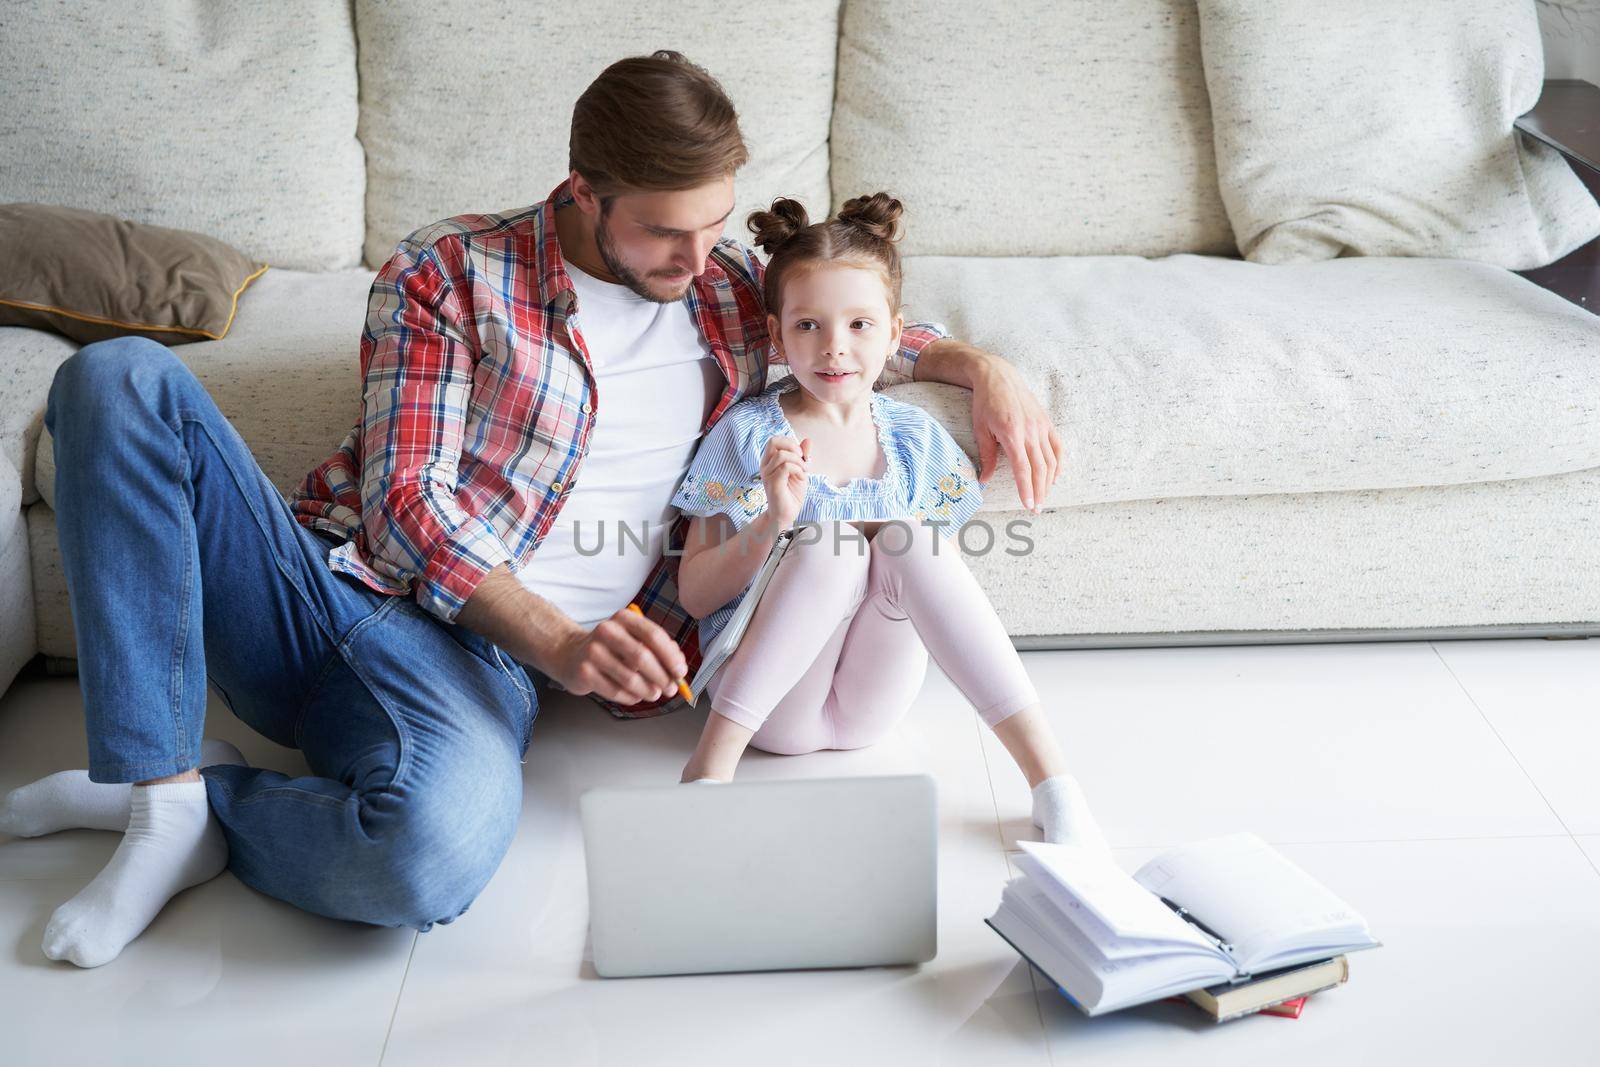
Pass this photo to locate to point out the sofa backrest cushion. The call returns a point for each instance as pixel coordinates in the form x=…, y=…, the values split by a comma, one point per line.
x=1078, y=127
x=1413, y=152
x=232, y=118
x=466, y=105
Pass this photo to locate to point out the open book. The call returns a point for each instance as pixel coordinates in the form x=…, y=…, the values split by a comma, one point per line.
x=1225, y=910
x=727, y=640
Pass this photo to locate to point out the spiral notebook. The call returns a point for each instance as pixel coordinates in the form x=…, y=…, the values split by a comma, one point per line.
x=727, y=641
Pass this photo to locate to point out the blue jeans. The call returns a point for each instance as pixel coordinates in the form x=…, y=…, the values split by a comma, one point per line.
x=185, y=566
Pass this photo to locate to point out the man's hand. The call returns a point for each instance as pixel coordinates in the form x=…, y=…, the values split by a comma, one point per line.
x=626, y=659
x=1005, y=416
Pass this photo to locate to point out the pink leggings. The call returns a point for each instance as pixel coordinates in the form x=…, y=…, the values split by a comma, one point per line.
x=838, y=647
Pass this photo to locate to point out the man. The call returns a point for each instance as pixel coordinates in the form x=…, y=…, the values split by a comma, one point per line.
x=392, y=620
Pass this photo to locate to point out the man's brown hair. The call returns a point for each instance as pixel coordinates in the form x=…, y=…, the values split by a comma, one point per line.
x=654, y=123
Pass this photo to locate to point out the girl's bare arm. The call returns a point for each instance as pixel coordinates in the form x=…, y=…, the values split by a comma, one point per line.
x=717, y=563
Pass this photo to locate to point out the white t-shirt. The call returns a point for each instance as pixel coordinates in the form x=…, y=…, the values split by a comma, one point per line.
x=656, y=383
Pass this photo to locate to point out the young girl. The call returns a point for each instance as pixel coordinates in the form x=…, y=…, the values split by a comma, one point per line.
x=837, y=650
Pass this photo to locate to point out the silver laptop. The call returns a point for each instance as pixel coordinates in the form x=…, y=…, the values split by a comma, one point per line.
x=761, y=876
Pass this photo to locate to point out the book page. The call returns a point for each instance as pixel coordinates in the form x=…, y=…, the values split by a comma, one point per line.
x=1107, y=944
x=1106, y=890
x=1068, y=958
x=1253, y=897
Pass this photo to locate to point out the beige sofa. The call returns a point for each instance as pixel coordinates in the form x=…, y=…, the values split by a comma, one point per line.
x=1361, y=448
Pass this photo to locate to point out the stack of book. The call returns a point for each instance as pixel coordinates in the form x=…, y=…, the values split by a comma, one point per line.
x=1289, y=1009
x=1229, y=923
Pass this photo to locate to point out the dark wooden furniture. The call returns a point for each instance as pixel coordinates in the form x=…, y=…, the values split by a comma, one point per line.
x=1567, y=118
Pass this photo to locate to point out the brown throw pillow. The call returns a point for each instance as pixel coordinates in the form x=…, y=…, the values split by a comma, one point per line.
x=92, y=276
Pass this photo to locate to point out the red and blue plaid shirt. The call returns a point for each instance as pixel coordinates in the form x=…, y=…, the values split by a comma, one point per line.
x=478, y=401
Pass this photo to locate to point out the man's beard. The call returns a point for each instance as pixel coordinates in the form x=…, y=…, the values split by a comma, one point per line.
x=625, y=274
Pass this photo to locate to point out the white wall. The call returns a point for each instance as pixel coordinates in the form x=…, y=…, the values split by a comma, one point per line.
x=1571, y=31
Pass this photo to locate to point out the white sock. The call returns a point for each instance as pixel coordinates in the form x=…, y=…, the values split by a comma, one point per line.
x=172, y=842
x=713, y=781
x=67, y=800
x=1062, y=812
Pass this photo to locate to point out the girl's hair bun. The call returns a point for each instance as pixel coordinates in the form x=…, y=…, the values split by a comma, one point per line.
x=878, y=215
x=862, y=235
x=773, y=228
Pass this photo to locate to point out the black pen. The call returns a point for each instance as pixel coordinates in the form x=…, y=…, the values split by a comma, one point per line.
x=1187, y=915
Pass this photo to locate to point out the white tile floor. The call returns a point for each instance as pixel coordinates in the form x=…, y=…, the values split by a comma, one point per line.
x=1447, y=790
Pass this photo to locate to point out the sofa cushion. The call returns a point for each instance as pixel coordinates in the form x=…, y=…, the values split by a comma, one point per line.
x=1308, y=174
x=486, y=127
x=1205, y=376
x=288, y=375
x=1500, y=555
x=1075, y=128
x=231, y=118
x=1184, y=376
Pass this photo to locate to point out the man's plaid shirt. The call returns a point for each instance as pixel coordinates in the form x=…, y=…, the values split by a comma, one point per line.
x=478, y=400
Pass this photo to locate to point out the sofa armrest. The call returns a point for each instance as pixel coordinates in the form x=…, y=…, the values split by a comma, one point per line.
x=28, y=363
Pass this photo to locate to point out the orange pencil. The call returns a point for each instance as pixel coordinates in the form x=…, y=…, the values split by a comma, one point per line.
x=682, y=687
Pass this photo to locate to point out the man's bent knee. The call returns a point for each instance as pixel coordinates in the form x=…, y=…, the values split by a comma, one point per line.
x=103, y=372
x=115, y=359
x=435, y=855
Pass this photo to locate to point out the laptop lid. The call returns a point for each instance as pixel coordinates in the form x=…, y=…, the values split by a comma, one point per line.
x=826, y=872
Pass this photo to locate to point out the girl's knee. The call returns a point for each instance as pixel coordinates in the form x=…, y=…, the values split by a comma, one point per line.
x=904, y=546
x=829, y=548
x=905, y=537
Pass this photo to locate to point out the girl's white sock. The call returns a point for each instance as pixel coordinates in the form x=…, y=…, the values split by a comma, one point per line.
x=1062, y=812
x=172, y=842
x=67, y=800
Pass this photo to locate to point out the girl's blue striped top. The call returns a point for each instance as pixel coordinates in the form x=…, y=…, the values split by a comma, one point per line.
x=926, y=475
